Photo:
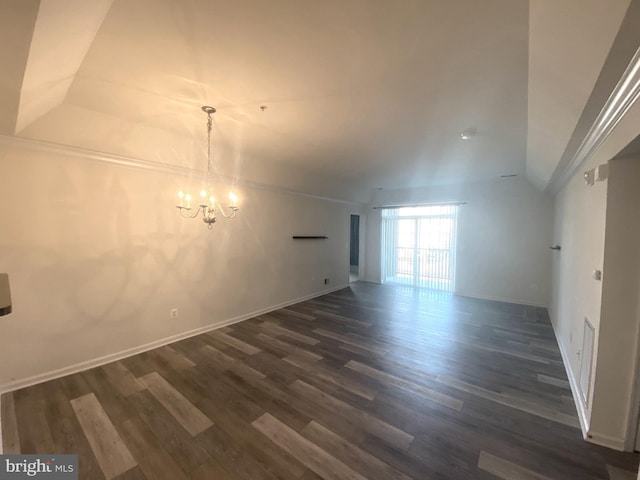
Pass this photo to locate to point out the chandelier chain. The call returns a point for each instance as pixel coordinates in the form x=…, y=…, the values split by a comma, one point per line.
x=209, y=127
x=207, y=205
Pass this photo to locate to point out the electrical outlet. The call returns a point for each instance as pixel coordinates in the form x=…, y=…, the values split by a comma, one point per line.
x=173, y=313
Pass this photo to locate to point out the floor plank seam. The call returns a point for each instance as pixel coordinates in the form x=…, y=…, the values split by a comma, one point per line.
x=364, y=383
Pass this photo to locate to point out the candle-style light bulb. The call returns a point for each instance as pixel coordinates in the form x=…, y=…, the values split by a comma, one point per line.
x=188, y=199
x=203, y=195
x=233, y=198
x=181, y=196
x=212, y=201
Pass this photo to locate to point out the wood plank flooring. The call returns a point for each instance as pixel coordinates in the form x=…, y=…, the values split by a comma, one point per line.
x=370, y=382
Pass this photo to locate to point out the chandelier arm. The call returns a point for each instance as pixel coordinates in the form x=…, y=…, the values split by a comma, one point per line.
x=189, y=212
x=227, y=214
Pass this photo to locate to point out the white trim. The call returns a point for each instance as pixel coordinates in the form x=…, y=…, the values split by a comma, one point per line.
x=575, y=389
x=622, y=98
x=427, y=204
x=606, y=441
x=140, y=164
x=589, y=435
x=526, y=303
x=87, y=154
x=96, y=362
x=633, y=419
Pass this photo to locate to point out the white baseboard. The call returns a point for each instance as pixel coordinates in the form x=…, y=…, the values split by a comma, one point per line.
x=575, y=390
x=96, y=362
x=497, y=299
x=528, y=303
x=605, y=441
x=589, y=435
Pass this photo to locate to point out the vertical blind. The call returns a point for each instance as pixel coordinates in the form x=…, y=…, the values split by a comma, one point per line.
x=418, y=246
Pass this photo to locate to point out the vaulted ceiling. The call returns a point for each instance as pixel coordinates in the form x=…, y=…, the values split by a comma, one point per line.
x=359, y=94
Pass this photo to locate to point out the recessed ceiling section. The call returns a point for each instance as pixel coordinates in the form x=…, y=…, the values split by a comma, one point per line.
x=356, y=90
x=368, y=92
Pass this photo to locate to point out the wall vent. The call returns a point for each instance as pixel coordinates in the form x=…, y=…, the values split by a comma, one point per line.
x=588, y=337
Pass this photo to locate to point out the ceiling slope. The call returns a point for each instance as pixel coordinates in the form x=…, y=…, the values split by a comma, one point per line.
x=612, y=100
x=568, y=44
x=17, y=20
x=62, y=36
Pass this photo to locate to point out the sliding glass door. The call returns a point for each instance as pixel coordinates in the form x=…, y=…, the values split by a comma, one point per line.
x=418, y=246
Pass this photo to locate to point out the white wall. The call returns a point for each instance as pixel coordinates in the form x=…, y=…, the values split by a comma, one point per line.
x=613, y=404
x=599, y=229
x=579, y=226
x=97, y=256
x=504, y=233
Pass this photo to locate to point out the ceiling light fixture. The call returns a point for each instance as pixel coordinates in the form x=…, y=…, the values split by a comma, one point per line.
x=208, y=205
x=467, y=133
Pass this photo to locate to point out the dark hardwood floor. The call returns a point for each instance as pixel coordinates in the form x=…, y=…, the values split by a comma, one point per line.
x=370, y=382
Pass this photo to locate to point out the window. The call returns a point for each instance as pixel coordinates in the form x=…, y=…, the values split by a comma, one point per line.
x=418, y=246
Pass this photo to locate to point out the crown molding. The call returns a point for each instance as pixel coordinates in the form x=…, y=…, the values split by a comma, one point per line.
x=95, y=155
x=622, y=98
x=148, y=165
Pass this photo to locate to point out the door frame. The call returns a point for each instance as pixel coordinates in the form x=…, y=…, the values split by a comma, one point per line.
x=361, y=243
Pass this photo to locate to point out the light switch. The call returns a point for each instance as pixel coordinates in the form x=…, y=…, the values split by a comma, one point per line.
x=597, y=275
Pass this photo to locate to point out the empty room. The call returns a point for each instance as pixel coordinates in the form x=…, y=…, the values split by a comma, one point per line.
x=355, y=239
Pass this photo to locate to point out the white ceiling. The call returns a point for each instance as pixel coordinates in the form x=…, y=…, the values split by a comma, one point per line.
x=359, y=93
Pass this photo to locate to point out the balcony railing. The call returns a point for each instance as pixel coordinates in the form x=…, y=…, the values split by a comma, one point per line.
x=422, y=267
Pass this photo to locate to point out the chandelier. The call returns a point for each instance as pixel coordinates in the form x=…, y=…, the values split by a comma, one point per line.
x=208, y=204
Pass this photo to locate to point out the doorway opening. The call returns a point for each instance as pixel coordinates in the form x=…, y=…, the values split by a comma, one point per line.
x=418, y=246
x=354, y=249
